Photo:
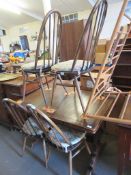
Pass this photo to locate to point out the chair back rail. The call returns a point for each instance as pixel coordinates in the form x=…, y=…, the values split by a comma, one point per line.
x=91, y=33
x=47, y=125
x=49, y=39
x=19, y=116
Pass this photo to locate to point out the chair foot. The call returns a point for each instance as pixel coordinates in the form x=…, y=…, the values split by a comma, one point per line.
x=69, y=93
x=48, y=89
x=49, y=109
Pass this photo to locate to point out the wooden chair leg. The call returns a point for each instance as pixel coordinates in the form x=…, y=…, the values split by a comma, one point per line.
x=47, y=82
x=70, y=163
x=53, y=89
x=24, y=85
x=79, y=92
x=59, y=77
x=24, y=145
x=42, y=88
x=46, y=156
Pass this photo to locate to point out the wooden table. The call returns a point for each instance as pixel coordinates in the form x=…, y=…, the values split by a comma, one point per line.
x=68, y=112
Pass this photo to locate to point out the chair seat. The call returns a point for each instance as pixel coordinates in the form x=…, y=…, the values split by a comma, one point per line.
x=31, y=128
x=30, y=67
x=66, y=66
x=74, y=137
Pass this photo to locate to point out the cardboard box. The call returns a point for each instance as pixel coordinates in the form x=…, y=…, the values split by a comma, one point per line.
x=99, y=57
x=101, y=47
x=86, y=82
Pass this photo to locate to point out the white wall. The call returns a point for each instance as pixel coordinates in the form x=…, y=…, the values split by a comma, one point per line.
x=12, y=34
x=110, y=21
x=33, y=27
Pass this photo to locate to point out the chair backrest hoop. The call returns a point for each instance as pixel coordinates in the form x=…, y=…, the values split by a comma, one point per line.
x=19, y=116
x=91, y=33
x=50, y=33
x=45, y=123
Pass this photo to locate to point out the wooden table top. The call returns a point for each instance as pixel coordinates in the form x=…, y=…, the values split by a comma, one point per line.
x=68, y=108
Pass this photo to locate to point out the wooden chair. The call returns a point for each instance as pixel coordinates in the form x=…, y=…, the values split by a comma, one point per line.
x=47, y=51
x=103, y=92
x=22, y=121
x=64, y=139
x=81, y=64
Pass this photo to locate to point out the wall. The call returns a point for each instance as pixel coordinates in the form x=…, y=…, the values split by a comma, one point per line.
x=12, y=34
x=110, y=21
x=33, y=27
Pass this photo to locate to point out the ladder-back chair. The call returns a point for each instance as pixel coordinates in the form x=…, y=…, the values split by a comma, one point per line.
x=22, y=121
x=103, y=92
x=87, y=44
x=61, y=137
x=47, y=51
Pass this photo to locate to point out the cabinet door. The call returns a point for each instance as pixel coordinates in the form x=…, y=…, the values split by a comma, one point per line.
x=71, y=34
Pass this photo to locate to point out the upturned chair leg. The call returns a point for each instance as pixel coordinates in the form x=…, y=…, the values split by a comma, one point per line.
x=53, y=89
x=24, y=145
x=42, y=88
x=24, y=85
x=59, y=77
x=70, y=163
x=79, y=92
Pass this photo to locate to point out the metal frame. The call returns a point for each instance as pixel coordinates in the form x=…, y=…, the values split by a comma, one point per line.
x=102, y=90
x=49, y=36
x=47, y=126
x=88, y=43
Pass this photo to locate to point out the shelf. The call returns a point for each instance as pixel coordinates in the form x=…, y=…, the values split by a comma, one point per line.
x=123, y=64
x=122, y=86
x=123, y=77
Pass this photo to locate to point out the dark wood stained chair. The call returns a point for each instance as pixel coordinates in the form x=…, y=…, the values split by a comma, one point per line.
x=63, y=138
x=88, y=42
x=47, y=50
x=22, y=121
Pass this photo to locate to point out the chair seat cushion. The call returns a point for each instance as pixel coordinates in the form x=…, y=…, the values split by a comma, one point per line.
x=66, y=66
x=30, y=127
x=73, y=136
x=40, y=65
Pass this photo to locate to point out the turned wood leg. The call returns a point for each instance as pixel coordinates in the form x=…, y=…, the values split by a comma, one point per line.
x=70, y=163
x=53, y=89
x=79, y=93
x=59, y=77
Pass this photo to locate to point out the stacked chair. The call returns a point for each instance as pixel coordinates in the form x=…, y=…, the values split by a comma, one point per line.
x=47, y=51
x=88, y=42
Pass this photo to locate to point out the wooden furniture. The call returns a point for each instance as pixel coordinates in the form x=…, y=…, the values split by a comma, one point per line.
x=121, y=77
x=102, y=89
x=48, y=40
x=64, y=139
x=14, y=89
x=71, y=34
x=88, y=41
x=21, y=120
x=124, y=150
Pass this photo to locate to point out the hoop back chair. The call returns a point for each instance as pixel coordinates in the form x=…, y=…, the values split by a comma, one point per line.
x=22, y=121
x=63, y=138
x=103, y=90
x=87, y=44
x=47, y=51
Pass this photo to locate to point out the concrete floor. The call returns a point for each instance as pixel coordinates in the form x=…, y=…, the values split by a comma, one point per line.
x=11, y=163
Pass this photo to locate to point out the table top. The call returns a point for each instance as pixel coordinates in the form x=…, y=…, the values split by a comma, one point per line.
x=68, y=108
